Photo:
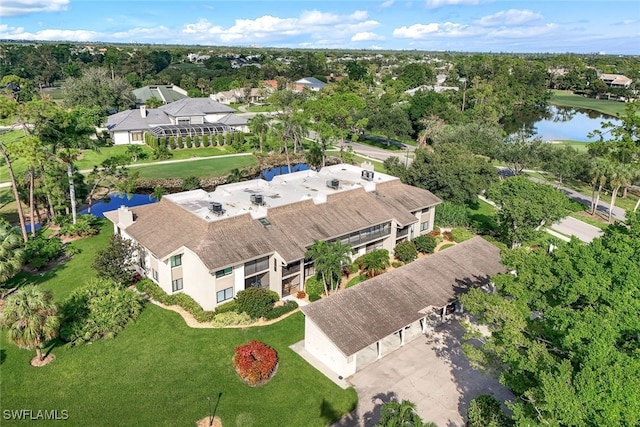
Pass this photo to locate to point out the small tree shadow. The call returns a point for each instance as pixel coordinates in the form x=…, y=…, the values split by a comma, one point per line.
x=3, y=356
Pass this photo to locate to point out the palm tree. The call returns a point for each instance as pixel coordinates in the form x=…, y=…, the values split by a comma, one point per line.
x=620, y=176
x=31, y=317
x=375, y=262
x=10, y=251
x=16, y=195
x=598, y=179
x=329, y=259
x=259, y=126
x=400, y=414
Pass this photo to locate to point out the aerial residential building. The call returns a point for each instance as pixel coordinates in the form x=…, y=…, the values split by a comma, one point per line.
x=212, y=245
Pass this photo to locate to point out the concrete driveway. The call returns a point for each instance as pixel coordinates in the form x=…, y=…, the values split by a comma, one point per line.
x=574, y=227
x=431, y=372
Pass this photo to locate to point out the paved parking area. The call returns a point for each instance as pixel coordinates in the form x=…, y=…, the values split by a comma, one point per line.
x=574, y=227
x=432, y=372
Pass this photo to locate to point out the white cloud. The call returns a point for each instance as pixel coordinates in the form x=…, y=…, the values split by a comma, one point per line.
x=26, y=7
x=366, y=36
x=139, y=33
x=432, y=4
x=512, y=17
x=386, y=4
x=19, y=33
x=524, y=32
x=419, y=31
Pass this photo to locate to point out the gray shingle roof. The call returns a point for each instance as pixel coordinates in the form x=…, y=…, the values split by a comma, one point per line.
x=364, y=314
x=162, y=92
x=164, y=227
x=195, y=107
x=133, y=120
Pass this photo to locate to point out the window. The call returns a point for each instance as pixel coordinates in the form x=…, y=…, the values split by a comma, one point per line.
x=183, y=121
x=154, y=274
x=424, y=226
x=224, y=272
x=223, y=295
x=256, y=266
x=136, y=136
x=176, y=260
x=176, y=285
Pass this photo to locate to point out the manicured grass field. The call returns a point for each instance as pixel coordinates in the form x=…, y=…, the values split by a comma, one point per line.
x=566, y=99
x=483, y=215
x=265, y=108
x=65, y=277
x=158, y=371
x=205, y=168
x=18, y=164
x=90, y=157
x=581, y=146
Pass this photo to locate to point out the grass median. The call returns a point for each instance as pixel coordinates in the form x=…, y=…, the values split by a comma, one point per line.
x=205, y=168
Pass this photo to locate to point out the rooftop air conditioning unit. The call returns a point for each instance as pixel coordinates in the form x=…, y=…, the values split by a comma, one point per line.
x=216, y=208
x=257, y=199
x=367, y=175
x=333, y=183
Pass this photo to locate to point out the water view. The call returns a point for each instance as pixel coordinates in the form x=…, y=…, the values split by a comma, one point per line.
x=268, y=174
x=561, y=123
x=114, y=201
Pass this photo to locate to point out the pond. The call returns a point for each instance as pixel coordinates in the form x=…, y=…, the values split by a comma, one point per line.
x=559, y=123
x=268, y=174
x=114, y=201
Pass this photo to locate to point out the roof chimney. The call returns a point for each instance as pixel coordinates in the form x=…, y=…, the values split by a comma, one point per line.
x=125, y=216
x=143, y=111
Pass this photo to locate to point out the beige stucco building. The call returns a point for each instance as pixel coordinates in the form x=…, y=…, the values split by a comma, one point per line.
x=211, y=245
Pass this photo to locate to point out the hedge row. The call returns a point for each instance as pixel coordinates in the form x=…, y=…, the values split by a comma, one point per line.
x=281, y=310
x=183, y=300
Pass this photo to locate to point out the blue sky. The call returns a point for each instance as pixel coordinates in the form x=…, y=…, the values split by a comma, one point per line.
x=585, y=26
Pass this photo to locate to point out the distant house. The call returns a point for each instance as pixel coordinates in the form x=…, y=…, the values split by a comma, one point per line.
x=310, y=83
x=165, y=93
x=186, y=117
x=616, y=80
x=237, y=96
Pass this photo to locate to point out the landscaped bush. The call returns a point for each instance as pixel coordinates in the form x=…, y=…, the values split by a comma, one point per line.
x=256, y=302
x=447, y=236
x=460, y=235
x=357, y=279
x=86, y=225
x=116, y=261
x=255, y=362
x=485, y=411
x=205, y=141
x=227, y=307
x=40, y=250
x=405, y=252
x=190, y=183
x=373, y=263
x=425, y=244
x=231, y=318
x=314, y=287
x=281, y=310
x=99, y=310
x=156, y=293
x=451, y=215
x=396, y=264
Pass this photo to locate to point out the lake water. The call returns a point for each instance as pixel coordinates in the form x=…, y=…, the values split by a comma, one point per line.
x=114, y=202
x=560, y=123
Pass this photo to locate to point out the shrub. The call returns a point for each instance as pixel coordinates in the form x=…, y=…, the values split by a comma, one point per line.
x=85, y=226
x=40, y=250
x=353, y=268
x=301, y=295
x=434, y=233
x=405, y=252
x=447, y=236
x=357, y=279
x=314, y=287
x=451, y=215
x=156, y=293
x=460, y=235
x=231, y=318
x=274, y=295
x=117, y=260
x=190, y=183
x=187, y=141
x=485, y=411
x=161, y=153
x=425, y=244
x=256, y=302
x=281, y=310
x=396, y=264
x=99, y=310
x=227, y=307
x=255, y=362
x=205, y=141
x=373, y=263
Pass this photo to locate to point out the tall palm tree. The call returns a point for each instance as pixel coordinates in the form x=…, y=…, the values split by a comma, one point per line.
x=399, y=414
x=375, y=262
x=259, y=126
x=16, y=195
x=620, y=176
x=598, y=172
x=10, y=251
x=31, y=317
x=329, y=259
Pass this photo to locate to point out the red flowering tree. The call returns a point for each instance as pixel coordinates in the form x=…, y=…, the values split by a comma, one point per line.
x=255, y=362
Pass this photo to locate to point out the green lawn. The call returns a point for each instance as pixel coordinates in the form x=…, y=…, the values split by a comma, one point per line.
x=205, y=168
x=158, y=371
x=65, y=277
x=18, y=164
x=265, y=108
x=581, y=146
x=90, y=157
x=566, y=99
x=482, y=216
x=377, y=164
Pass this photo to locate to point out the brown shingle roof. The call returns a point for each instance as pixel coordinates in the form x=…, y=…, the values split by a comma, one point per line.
x=165, y=227
x=362, y=315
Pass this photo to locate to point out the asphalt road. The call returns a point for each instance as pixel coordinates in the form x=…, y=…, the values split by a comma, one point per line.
x=574, y=227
